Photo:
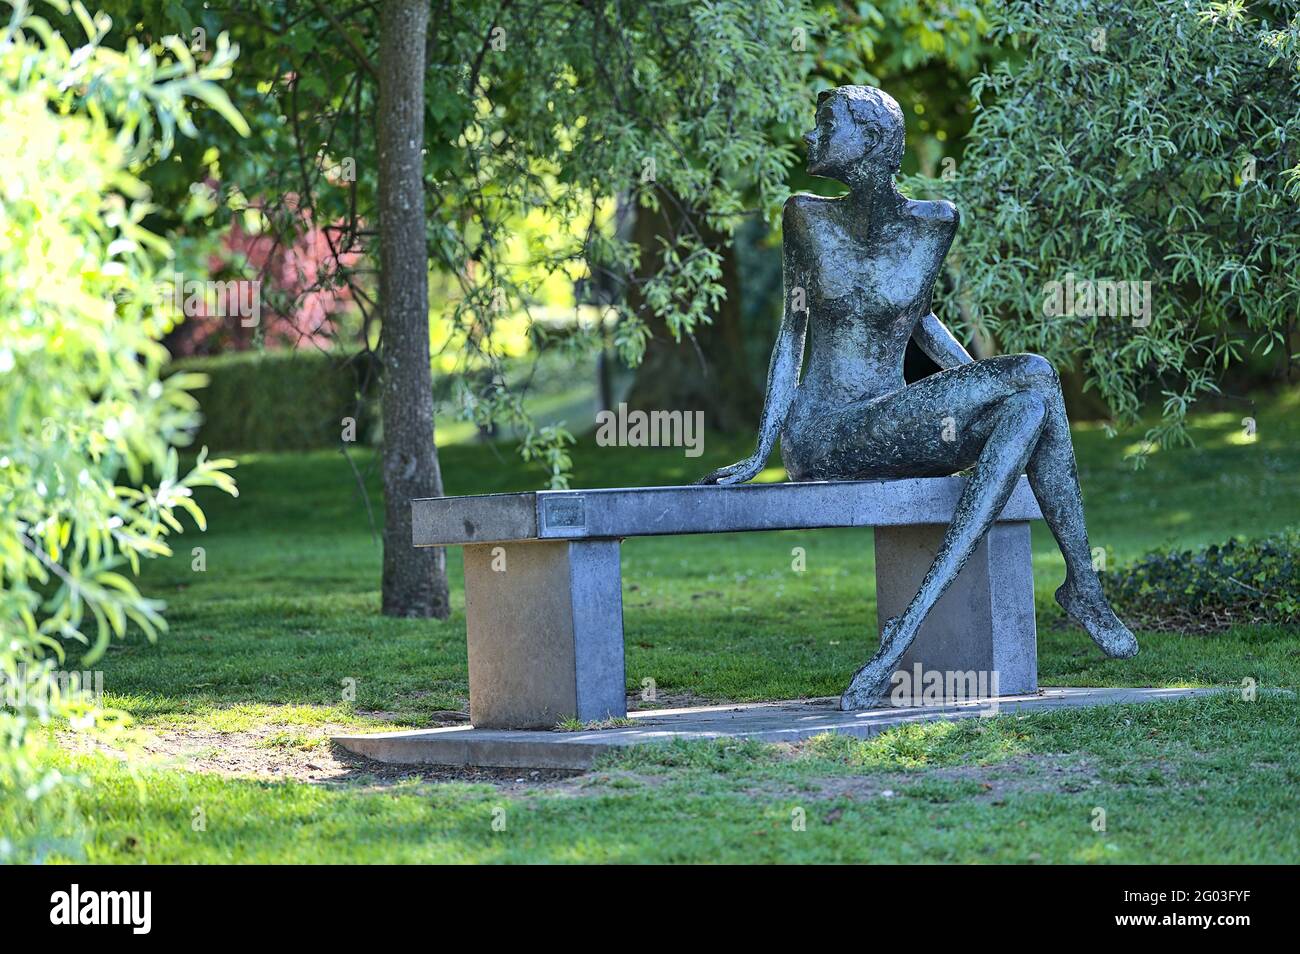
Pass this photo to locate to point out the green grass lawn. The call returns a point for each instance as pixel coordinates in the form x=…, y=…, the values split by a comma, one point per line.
x=251, y=678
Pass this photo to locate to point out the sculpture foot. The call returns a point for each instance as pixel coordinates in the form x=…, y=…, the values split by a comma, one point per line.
x=1094, y=614
x=869, y=687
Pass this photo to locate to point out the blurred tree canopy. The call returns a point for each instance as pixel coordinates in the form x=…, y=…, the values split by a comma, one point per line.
x=532, y=109
x=1155, y=142
x=1103, y=163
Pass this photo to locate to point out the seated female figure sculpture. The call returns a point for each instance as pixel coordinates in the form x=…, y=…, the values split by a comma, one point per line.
x=861, y=269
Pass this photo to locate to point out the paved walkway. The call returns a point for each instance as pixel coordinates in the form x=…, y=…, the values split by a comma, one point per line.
x=766, y=721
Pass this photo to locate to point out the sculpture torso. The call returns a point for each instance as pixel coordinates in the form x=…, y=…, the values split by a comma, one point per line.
x=868, y=275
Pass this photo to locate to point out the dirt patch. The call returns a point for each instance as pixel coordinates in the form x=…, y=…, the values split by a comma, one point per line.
x=671, y=700
x=515, y=781
x=304, y=753
x=299, y=754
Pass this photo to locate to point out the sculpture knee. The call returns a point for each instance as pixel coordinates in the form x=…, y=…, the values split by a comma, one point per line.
x=1033, y=371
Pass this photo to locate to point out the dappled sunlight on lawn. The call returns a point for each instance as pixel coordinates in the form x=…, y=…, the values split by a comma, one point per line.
x=1141, y=448
x=1176, y=518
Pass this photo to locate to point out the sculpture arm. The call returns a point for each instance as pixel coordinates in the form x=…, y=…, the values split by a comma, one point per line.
x=934, y=338
x=782, y=374
x=787, y=359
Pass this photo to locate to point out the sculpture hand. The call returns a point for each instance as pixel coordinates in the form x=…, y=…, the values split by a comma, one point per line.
x=737, y=473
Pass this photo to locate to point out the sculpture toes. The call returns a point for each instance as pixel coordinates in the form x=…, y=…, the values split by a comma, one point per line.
x=868, y=688
x=1116, y=642
x=1100, y=622
x=1124, y=646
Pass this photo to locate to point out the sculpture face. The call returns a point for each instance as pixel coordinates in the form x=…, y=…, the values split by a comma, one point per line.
x=834, y=143
x=855, y=137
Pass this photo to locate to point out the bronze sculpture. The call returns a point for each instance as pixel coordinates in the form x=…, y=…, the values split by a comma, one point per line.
x=862, y=269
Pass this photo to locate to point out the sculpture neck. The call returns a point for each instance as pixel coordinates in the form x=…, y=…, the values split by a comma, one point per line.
x=872, y=196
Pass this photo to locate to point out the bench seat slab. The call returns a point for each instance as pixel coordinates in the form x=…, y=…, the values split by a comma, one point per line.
x=620, y=512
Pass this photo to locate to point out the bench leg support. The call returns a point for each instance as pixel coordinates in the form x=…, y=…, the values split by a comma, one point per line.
x=984, y=623
x=545, y=633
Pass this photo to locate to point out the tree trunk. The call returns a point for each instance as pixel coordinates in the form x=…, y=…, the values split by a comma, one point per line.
x=415, y=581
x=710, y=373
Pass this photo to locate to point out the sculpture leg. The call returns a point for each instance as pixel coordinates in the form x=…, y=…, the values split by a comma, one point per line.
x=1019, y=422
x=1055, y=481
x=949, y=421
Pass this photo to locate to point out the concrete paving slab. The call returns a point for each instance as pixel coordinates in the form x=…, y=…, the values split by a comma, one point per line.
x=766, y=721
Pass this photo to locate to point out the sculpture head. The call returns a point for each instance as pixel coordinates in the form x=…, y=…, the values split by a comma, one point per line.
x=858, y=134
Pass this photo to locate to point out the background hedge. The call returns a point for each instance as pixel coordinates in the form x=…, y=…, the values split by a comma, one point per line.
x=1211, y=588
x=282, y=400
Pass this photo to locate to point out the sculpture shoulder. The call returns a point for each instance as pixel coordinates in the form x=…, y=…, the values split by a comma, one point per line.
x=939, y=214
x=802, y=209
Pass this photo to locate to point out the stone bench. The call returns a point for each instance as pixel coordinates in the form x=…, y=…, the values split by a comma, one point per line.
x=544, y=592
